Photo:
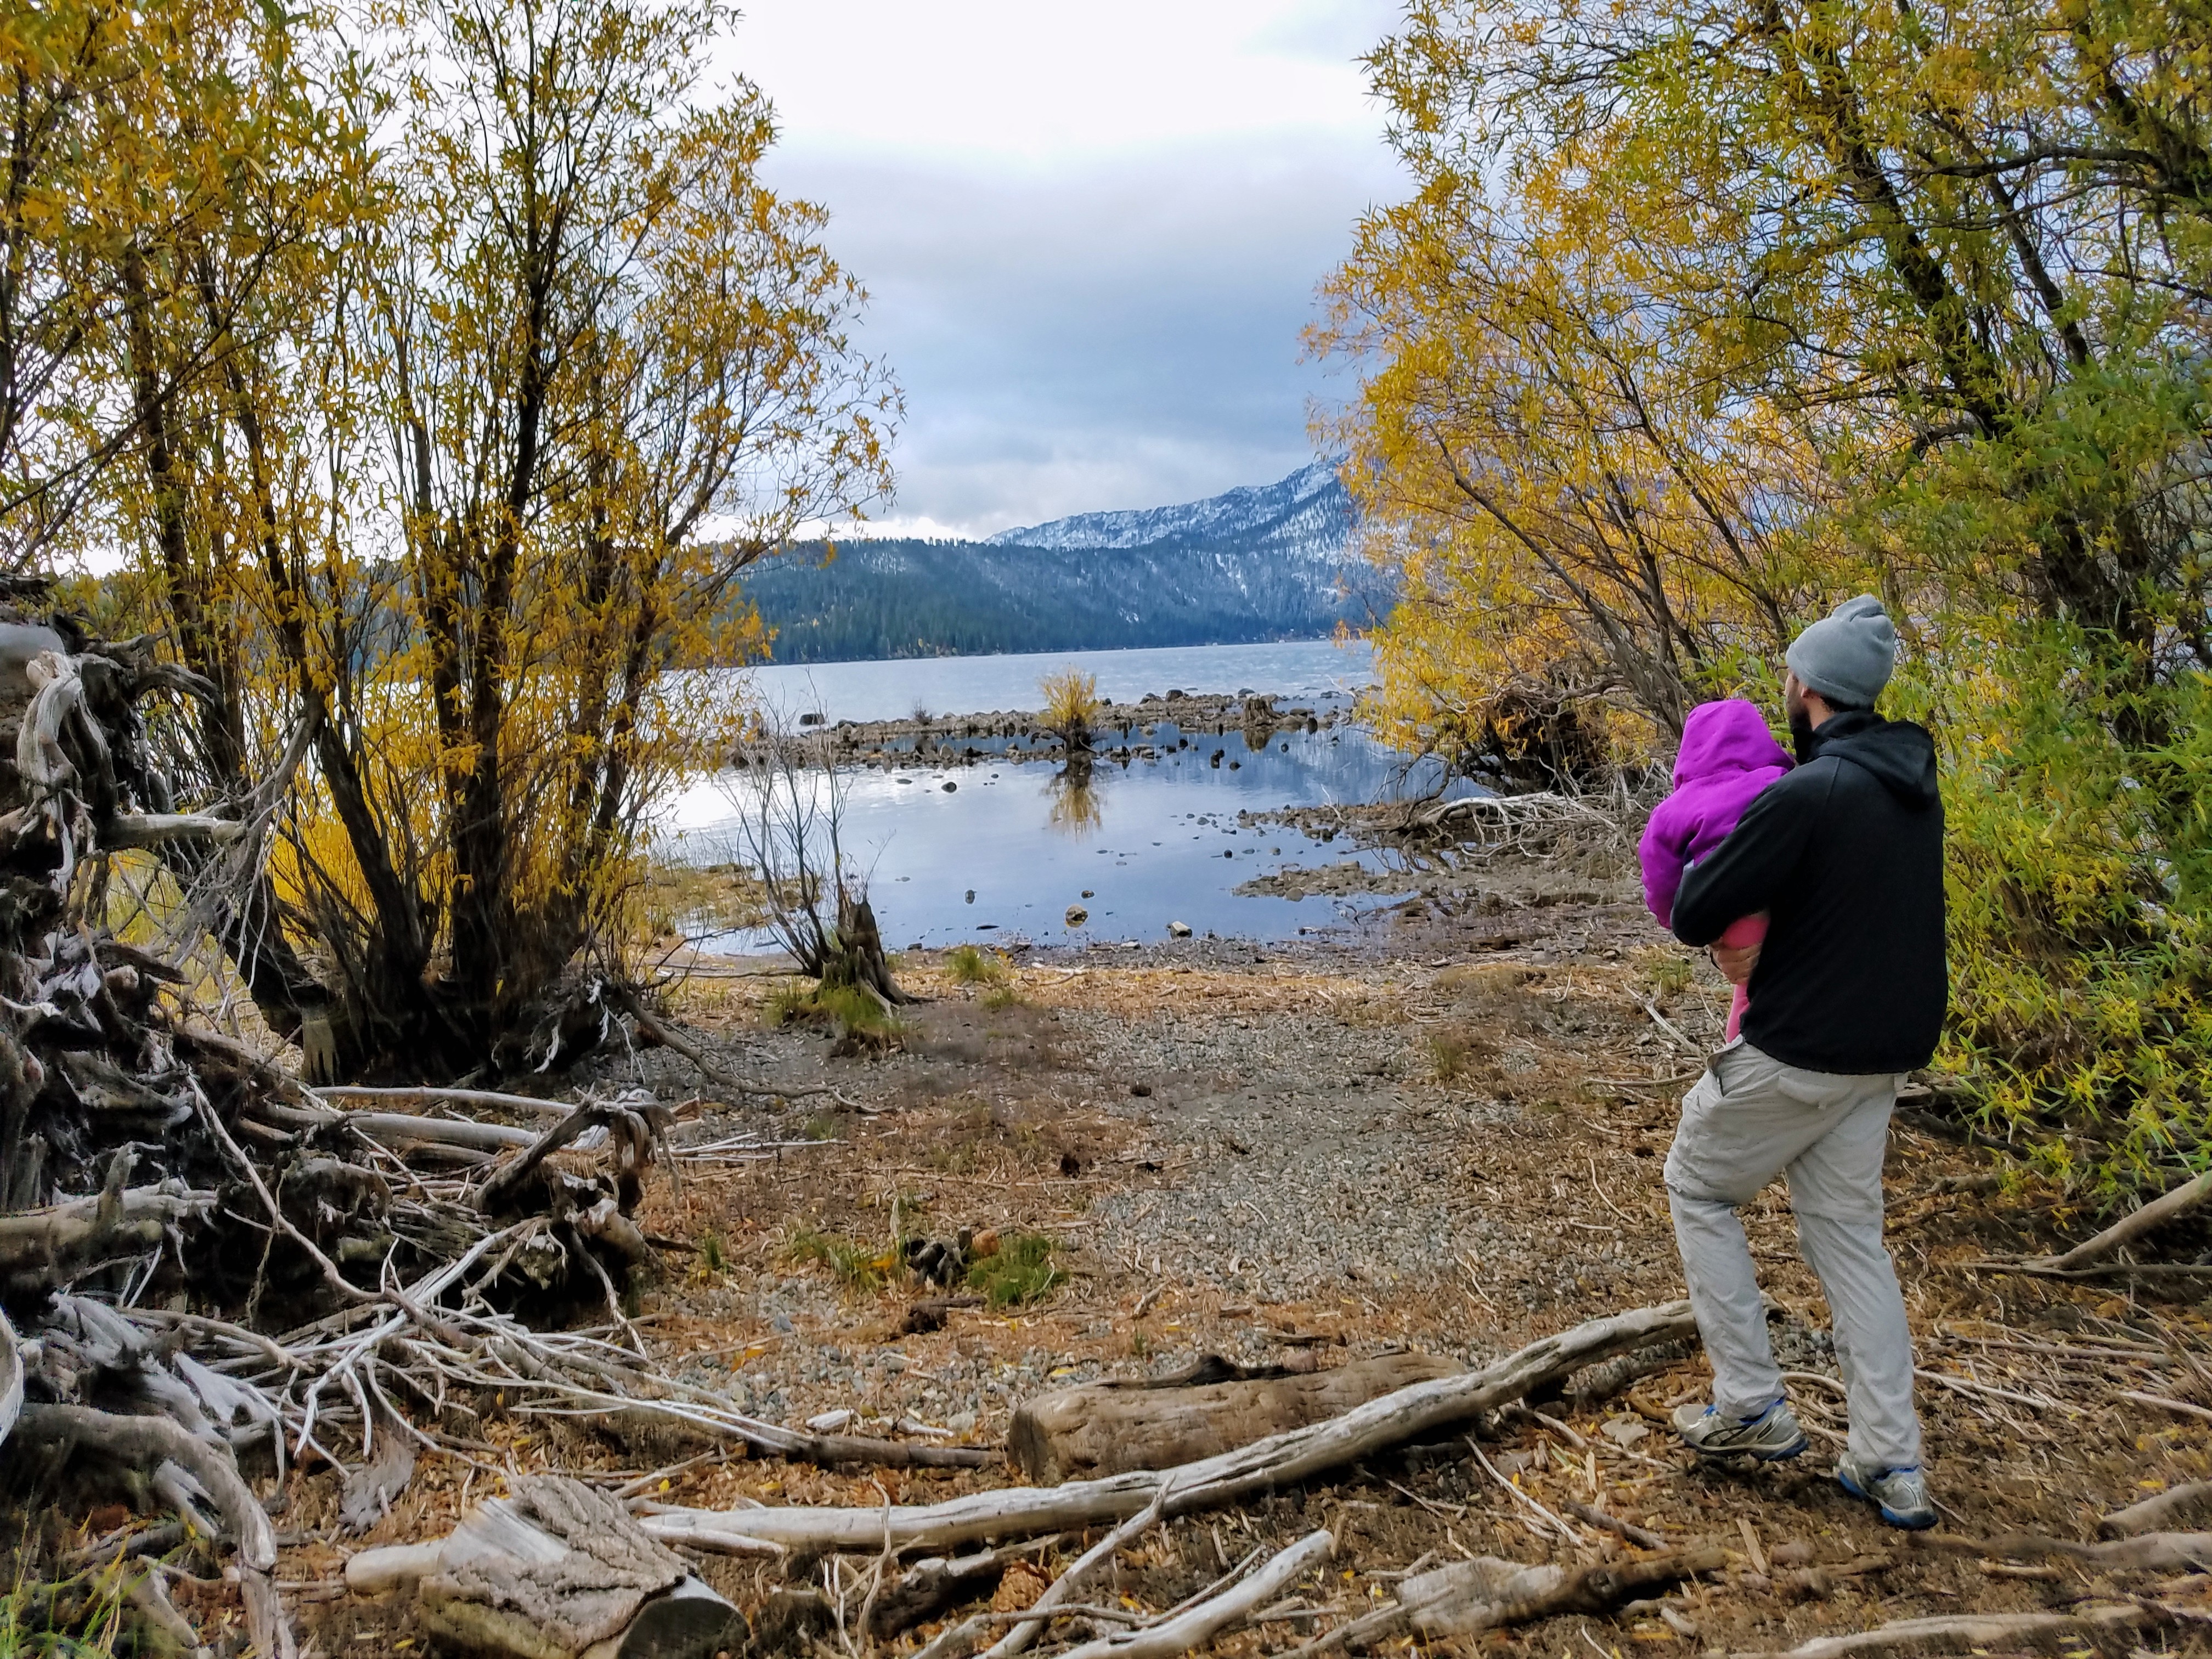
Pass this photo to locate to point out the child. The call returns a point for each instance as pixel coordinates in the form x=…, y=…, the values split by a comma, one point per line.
x=1728, y=757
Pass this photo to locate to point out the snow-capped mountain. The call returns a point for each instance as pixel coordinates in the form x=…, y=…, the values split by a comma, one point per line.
x=1271, y=561
x=1308, y=515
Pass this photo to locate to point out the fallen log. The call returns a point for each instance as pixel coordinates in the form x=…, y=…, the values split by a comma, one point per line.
x=556, y=1570
x=1280, y=1460
x=1488, y=1594
x=1109, y=1429
x=1977, y=1632
x=2191, y=1500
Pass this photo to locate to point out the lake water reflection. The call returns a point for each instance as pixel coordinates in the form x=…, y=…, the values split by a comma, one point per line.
x=1009, y=846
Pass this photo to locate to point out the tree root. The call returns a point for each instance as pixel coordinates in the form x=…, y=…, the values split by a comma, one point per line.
x=147, y=1442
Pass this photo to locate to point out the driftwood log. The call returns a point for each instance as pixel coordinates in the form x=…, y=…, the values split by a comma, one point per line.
x=1107, y=1429
x=2191, y=1501
x=557, y=1570
x=1280, y=1460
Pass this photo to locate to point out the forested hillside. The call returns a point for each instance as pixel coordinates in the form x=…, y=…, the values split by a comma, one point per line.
x=1268, y=562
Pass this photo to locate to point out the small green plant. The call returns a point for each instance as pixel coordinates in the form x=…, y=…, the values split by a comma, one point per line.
x=1139, y=1344
x=1668, y=973
x=854, y=1014
x=1000, y=996
x=710, y=1253
x=81, y=1617
x=787, y=1003
x=818, y=1127
x=968, y=964
x=860, y=1269
x=1020, y=1270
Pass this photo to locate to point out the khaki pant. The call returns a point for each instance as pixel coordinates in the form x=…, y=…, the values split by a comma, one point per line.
x=1749, y=1119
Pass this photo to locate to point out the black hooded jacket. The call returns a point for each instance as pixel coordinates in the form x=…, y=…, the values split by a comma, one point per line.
x=1846, y=854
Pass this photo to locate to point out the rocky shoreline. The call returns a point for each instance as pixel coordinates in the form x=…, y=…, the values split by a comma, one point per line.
x=1158, y=723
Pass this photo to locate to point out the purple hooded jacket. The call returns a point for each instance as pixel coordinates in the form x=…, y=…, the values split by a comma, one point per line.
x=1728, y=757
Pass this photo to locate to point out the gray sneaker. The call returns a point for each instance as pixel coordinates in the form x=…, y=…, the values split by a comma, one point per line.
x=1901, y=1495
x=1769, y=1437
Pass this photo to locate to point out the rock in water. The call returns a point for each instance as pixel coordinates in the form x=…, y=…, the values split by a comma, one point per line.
x=1077, y=916
x=1178, y=930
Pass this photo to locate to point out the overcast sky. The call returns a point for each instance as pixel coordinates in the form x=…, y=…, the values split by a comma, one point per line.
x=1092, y=233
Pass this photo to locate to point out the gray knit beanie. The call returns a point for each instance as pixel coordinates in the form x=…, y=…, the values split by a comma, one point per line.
x=1848, y=654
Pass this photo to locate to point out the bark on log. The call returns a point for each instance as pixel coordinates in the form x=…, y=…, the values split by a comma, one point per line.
x=1488, y=1594
x=557, y=1570
x=2192, y=1500
x=1281, y=1460
x=1079, y=1433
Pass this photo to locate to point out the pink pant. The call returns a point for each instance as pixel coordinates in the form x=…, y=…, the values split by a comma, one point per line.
x=1744, y=930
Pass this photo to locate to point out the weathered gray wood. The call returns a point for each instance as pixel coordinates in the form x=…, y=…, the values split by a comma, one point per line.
x=557, y=1570
x=1486, y=1593
x=2191, y=1501
x=1280, y=1460
x=1082, y=1432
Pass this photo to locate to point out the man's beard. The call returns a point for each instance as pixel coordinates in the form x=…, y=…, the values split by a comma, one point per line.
x=1801, y=733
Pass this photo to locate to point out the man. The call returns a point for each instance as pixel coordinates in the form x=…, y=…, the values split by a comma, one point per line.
x=1845, y=853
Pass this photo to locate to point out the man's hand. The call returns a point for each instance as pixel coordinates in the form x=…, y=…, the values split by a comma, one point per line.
x=1735, y=961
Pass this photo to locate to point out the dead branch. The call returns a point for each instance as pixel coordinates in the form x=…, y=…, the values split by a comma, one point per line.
x=427, y=1096
x=1198, y=1625
x=1085, y=1567
x=1976, y=1632
x=2129, y=1228
x=2154, y=1551
x=1640, y=1536
x=1411, y=1414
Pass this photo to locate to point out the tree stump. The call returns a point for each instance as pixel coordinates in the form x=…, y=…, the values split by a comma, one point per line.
x=559, y=1570
x=1108, y=1428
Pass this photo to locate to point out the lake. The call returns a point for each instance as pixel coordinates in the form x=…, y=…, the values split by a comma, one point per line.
x=1005, y=851
x=1304, y=669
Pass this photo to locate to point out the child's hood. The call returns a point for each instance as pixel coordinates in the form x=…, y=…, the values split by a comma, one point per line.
x=1720, y=737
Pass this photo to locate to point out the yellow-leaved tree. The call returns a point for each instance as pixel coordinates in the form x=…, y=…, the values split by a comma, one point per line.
x=475, y=503
x=1702, y=319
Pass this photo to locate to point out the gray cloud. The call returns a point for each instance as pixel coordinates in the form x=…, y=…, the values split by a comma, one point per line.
x=1120, y=332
